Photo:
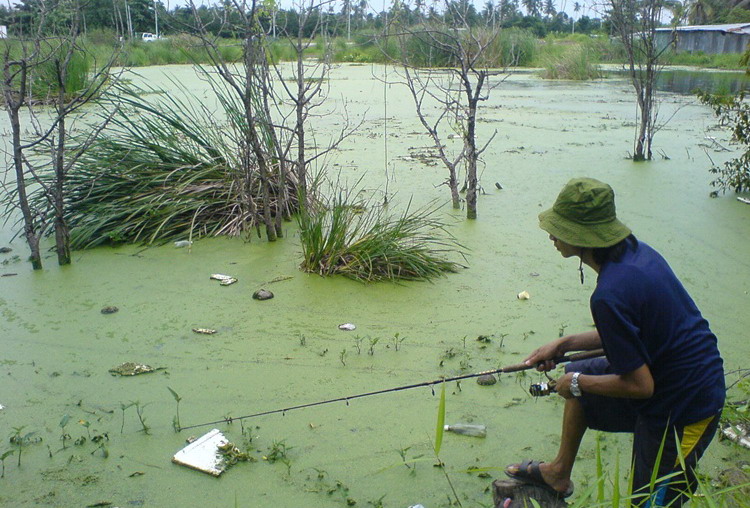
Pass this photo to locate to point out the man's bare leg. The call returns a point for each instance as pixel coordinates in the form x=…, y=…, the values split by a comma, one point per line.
x=557, y=473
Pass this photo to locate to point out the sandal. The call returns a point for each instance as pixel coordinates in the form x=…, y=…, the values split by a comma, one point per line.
x=528, y=472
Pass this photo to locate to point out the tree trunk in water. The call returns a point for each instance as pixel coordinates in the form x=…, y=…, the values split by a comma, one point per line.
x=29, y=229
x=471, y=160
x=453, y=184
x=643, y=142
x=62, y=235
x=251, y=138
x=300, y=123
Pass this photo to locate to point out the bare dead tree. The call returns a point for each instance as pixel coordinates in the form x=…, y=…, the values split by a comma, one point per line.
x=45, y=157
x=634, y=22
x=464, y=52
x=66, y=104
x=18, y=63
x=309, y=91
x=259, y=139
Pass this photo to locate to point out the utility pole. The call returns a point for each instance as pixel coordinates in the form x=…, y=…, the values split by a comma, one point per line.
x=156, y=20
x=130, y=20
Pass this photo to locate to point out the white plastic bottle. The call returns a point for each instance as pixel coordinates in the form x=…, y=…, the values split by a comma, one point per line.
x=467, y=429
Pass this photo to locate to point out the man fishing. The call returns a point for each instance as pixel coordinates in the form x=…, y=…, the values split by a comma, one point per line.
x=662, y=378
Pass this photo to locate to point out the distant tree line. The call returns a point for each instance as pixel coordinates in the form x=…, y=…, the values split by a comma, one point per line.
x=355, y=16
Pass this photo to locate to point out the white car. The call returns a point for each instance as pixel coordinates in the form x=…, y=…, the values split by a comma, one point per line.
x=148, y=37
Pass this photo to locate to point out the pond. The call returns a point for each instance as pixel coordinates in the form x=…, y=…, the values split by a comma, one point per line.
x=688, y=81
x=56, y=347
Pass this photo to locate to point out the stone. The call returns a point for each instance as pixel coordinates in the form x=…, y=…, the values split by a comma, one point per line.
x=109, y=310
x=5, y=250
x=512, y=493
x=486, y=380
x=262, y=294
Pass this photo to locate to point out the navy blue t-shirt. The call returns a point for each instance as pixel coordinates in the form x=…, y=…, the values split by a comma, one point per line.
x=645, y=316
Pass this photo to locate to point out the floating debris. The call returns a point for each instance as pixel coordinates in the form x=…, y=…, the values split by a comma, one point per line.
x=743, y=200
x=8, y=275
x=183, y=243
x=109, y=310
x=220, y=276
x=204, y=454
x=262, y=294
x=131, y=369
x=499, y=187
x=523, y=295
x=204, y=331
x=5, y=250
x=225, y=280
x=347, y=326
x=738, y=434
x=486, y=380
x=2, y=407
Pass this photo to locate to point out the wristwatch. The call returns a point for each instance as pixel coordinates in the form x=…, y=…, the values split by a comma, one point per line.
x=574, y=388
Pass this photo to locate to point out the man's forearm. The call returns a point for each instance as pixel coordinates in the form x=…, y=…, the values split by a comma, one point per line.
x=584, y=341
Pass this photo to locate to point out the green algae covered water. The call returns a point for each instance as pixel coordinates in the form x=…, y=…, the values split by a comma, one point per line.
x=56, y=347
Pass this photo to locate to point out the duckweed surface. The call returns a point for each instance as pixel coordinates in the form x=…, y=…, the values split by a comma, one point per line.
x=56, y=346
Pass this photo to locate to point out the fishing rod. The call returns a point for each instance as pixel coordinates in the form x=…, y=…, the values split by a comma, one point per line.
x=536, y=390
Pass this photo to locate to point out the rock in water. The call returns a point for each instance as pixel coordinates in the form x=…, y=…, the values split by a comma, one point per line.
x=262, y=294
x=5, y=250
x=109, y=310
x=486, y=380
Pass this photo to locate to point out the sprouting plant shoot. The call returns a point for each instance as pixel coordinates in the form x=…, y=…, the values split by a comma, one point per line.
x=176, y=420
x=397, y=340
x=374, y=341
x=5, y=455
x=358, y=343
x=63, y=422
x=19, y=439
x=342, y=357
x=139, y=411
x=123, y=408
x=86, y=424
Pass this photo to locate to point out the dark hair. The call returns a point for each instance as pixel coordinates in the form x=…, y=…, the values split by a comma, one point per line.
x=613, y=252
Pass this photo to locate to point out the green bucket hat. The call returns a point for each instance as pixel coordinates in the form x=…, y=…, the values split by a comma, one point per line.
x=584, y=215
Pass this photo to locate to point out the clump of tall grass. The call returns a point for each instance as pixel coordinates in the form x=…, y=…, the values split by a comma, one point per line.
x=162, y=170
x=574, y=64
x=515, y=47
x=42, y=71
x=367, y=244
x=608, y=491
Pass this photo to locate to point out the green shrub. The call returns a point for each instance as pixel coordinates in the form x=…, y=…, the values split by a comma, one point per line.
x=734, y=113
x=574, y=63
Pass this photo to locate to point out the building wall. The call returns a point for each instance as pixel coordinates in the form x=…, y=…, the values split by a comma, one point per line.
x=710, y=42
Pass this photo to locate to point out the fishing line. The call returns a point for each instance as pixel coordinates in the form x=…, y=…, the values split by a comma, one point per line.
x=504, y=370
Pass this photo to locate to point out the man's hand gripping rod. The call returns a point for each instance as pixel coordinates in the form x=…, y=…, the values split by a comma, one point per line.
x=504, y=370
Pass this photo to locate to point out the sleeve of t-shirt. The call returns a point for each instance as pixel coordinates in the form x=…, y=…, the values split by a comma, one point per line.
x=619, y=334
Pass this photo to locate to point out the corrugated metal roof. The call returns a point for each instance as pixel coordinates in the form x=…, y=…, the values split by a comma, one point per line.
x=737, y=28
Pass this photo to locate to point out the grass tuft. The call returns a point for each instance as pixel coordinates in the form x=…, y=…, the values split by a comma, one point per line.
x=367, y=244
